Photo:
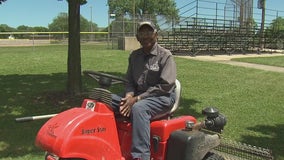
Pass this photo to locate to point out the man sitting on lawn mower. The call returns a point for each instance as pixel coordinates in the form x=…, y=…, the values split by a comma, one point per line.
x=151, y=76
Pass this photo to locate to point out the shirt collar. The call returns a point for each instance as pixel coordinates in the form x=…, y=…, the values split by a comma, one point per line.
x=153, y=50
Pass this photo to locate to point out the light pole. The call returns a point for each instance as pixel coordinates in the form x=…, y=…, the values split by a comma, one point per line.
x=91, y=22
x=261, y=5
x=134, y=26
x=108, y=27
x=91, y=19
x=110, y=16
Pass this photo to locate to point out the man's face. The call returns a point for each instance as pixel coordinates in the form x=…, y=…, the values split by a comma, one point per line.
x=147, y=37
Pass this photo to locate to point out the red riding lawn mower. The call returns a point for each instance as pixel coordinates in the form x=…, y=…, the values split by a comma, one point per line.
x=93, y=132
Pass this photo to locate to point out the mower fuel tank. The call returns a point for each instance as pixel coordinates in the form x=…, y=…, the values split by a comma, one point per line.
x=81, y=133
x=190, y=145
x=160, y=133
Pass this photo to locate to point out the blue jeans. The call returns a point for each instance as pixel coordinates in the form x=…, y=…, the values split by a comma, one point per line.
x=141, y=114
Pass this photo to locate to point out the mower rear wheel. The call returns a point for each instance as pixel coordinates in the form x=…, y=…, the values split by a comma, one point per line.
x=213, y=156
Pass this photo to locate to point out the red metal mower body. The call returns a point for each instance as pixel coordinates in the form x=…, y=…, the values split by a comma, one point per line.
x=92, y=132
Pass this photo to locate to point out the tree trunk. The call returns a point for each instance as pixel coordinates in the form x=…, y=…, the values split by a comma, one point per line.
x=74, y=81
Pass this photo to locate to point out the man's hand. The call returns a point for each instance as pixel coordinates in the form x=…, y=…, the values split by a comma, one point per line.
x=126, y=105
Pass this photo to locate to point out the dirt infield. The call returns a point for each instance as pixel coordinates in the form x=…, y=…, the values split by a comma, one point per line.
x=226, y=59
x=22, y=42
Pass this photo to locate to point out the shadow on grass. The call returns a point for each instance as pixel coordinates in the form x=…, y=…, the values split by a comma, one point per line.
x=26, y=95
x=185, y=108
x=272, y=139
x=29, y=95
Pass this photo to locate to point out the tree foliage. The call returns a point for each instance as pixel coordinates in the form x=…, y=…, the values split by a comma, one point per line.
x=1, y=1
x=60, y=23
x=23, y=28
x=6, y=28
x=145, y=8
x=277, y=24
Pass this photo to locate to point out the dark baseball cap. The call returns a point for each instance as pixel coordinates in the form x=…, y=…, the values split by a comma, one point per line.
x=148, y=23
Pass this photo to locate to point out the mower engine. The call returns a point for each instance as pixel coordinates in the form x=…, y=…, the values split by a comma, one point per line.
x=195, y=142
x=214, y=120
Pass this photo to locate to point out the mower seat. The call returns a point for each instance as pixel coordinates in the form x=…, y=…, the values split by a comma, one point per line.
x=178, y=94
x=169, y=114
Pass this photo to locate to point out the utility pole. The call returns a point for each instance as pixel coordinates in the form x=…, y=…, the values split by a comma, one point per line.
x=91, y=22
x=91, y=19
x=261, y=5
x=108, y=26
x=134, y=26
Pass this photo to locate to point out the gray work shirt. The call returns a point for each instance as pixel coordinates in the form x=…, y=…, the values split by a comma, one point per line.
x=151, y=74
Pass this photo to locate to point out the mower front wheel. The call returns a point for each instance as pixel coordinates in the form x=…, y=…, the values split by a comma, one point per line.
x=71, y=159
x=213, y=156
x=49, y=156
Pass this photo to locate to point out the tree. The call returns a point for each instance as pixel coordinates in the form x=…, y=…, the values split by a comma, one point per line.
x=59, y=23
x=276, y=30
x=277, y=24
x=23, y=28
x=40, y=29
x=74, y=82
x=1, y=1
x=74, y=79
x=6, y=28
x=145, y=8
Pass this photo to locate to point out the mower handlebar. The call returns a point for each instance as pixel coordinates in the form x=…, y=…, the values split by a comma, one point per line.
x=32, y=118
x=24, y=119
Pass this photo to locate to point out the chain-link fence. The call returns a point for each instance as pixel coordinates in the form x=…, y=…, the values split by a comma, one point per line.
x=47, y=38
x=204, y=27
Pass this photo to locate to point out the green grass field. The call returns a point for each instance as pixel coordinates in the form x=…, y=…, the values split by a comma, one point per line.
x=33, y=80
x=272, y=61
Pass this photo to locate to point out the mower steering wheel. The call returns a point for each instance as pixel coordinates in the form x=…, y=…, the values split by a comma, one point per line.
x=105, y=80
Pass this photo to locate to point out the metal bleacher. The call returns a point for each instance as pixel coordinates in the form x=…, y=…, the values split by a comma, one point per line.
x=199, y=34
